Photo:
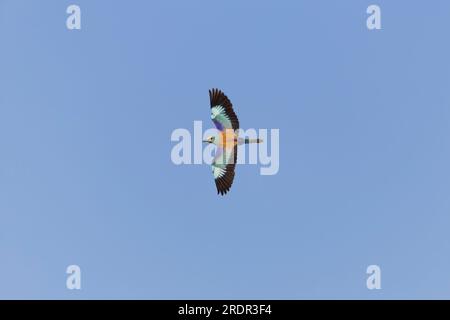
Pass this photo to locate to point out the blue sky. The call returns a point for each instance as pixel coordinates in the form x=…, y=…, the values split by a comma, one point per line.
x=86, y=176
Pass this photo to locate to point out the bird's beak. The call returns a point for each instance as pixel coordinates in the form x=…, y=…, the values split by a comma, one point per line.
x=205, y=141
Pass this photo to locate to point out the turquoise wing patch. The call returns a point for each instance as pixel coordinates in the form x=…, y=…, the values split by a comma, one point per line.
x=222, y=113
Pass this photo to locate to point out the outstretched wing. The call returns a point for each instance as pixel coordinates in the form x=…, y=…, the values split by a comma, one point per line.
x=223, y=167
x=222, y=113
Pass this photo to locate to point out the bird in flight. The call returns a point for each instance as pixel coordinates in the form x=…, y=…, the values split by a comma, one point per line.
x=226, y=121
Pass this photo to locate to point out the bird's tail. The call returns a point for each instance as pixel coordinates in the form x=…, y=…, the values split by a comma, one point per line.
x=247, y=140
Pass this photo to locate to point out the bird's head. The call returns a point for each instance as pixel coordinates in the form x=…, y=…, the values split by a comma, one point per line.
x=210, y=139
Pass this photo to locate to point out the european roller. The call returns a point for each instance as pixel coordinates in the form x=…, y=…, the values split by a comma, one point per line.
x=226, y=121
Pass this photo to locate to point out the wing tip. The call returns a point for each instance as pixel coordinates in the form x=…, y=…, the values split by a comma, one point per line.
x=214, y=93
x=222, y=190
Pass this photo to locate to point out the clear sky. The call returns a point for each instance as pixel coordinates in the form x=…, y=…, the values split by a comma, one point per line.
x=86, y=176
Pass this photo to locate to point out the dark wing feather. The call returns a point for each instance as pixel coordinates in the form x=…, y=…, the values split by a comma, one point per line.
x=224, y=182
x=219, y=99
